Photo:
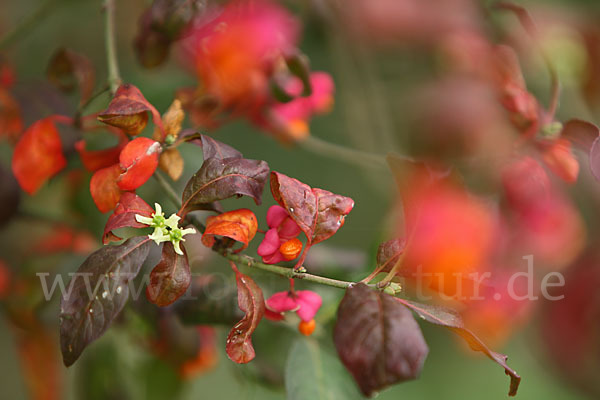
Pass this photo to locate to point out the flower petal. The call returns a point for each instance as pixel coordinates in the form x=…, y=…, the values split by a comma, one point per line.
x=270, y=243
x=289, y=229
x=276, y=215
x=309, y=303
x=281, y=302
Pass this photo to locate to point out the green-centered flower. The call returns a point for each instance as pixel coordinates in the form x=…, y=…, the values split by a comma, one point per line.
x=165, y=230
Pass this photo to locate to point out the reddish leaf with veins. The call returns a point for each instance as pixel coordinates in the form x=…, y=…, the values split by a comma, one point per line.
x=377, y=339
x=128, y=111
x=317, y=212
x=104, y=189
x=251, y=302
x=38, y=155
x=129, y=205
x=139, y=159
x=170, y=278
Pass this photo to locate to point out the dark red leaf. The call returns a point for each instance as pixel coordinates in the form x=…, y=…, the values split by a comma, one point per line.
x=251, y=302
x=38, y=155
x=129, y=205
x=139, y=159
x=170, y=278
x=104, y=189
x=211, y=148
x=317, y=212
x=377, y=339
x=128, y=111
x=220, y=179
x=68, y=69
x=97, y=293
x=452, y=320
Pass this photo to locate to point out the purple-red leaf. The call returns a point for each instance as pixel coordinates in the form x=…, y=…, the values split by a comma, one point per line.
x=377, y=339
x=97, y=293
x=212, y=148
x=220, y=179
x=251, y=302
x=129, y=205
x=170, y=278
x=317, y=212
x=451, y=320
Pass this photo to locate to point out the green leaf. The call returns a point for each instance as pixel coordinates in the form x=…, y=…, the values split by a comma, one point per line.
x=312, y=373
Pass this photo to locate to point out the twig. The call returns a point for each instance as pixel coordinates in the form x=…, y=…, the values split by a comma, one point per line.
x=284, y=271
x=346, y=154
x=114, y=77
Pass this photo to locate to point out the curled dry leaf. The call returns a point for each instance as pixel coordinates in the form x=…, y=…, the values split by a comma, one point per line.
x=68, y=69
x=97, y=293
x=139, y=159
x=251, y=301
x=172, y=163
x=129, y=205
x=128, y=111
x=317, y=212
x=104, y=189
x=239, y=225
x=450, y=319
x=170, y=278
x=377, y=339
x=170, y=160
x=38, y=155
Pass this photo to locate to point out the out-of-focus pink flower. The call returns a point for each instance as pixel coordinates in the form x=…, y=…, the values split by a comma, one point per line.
x=546, y=223
x=293, y=117
x=305, y=303
x=450, y=233
x=280, y=242
x=234, y=52
x=391, y=22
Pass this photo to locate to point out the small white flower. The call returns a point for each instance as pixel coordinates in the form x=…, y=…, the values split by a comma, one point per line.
x=165, y=230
